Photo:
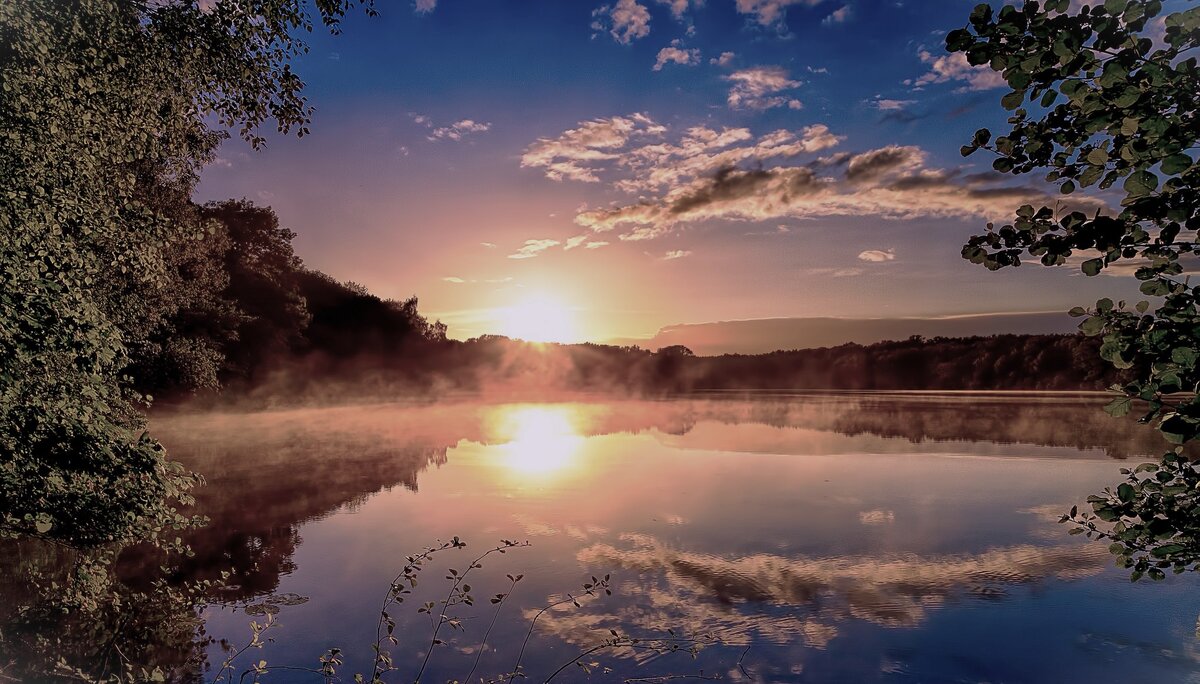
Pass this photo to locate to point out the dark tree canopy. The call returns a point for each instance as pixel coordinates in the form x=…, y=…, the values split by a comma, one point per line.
x=106, y=111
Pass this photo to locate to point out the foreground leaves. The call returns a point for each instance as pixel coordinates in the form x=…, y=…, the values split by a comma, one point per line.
x=1096, y=101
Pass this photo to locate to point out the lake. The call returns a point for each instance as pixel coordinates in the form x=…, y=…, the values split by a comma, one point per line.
x=849, y=537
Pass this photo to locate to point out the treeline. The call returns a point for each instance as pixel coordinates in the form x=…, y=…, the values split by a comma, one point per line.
x=1002, y=362
x=997, y=362
x=246, y=319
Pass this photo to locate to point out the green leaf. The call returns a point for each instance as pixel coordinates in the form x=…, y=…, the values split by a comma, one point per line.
x=1125, y=492
x=1167, y=550
x=1097, y=156
x=1176, y=164
x=1140, y=183
x=1092, y=326
x=1118, y=407
x=1155, y=288
x=1185, y=356
x=1013, y=100
x=1092, y=267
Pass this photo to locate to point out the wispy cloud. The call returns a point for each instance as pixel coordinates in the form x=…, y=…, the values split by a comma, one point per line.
x=532, y=248
x=626, y=21
x=838, y=16
x=453, y=279
x=955, y=67
x=771, y=12
x=571, y=155
x=889, y=105
x=675, y=53
x=425, y=6
x=459, y=130
x=675, y=254
x=758, y=88
x=877, y=255
x=723, y=59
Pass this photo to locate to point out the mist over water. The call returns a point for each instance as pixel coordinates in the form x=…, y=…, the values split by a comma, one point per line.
x=837, y=537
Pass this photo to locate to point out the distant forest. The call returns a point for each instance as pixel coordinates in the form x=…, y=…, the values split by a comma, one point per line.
x=247, y=320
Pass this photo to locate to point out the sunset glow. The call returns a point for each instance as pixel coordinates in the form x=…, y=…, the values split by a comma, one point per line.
x=539, y=318
x=691, y=167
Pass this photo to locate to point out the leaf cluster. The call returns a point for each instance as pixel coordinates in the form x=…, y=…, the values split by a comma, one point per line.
x=1097, y=101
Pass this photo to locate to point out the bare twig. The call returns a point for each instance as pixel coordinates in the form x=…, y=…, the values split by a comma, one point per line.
x=499, y=601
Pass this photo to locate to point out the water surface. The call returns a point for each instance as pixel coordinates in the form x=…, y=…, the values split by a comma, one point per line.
x=816, y=537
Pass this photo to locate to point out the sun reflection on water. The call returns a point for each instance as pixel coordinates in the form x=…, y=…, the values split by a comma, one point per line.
x=541, y=440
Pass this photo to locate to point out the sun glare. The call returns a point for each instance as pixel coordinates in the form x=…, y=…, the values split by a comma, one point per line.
x=539, y=318
x=542, y=440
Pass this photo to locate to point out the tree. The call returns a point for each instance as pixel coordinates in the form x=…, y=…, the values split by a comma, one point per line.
x=262, y=271
x=1102, y=96
x=103, y=104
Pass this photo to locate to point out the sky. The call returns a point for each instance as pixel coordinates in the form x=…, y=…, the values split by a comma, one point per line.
x=582, y=169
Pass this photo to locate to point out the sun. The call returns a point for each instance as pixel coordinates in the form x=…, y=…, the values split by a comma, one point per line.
x=539, y=318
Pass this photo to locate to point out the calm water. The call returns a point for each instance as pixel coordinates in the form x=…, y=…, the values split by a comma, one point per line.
x=822, y=538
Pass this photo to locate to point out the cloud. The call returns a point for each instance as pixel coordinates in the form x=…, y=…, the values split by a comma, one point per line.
x=425, y=6
x=532, y=248
x=891, y=182
x=679, y=8
x=676, y=54
x=626, y=21
x=704, y=151
x=459, y=129
x=874, y=164
x=596, y=245
x=571, y=155
x=675, y=254
x=955, y=67
x=877, y=255
x=573, y=242
x=771, y=12
x=732, y=174
x=489, y=245
x=887, y=105
x=724, y=59
x=757, y=88
x=453, y=279
x=838, y=16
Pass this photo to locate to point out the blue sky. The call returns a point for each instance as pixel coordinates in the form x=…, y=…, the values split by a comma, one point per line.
x=644, y=163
